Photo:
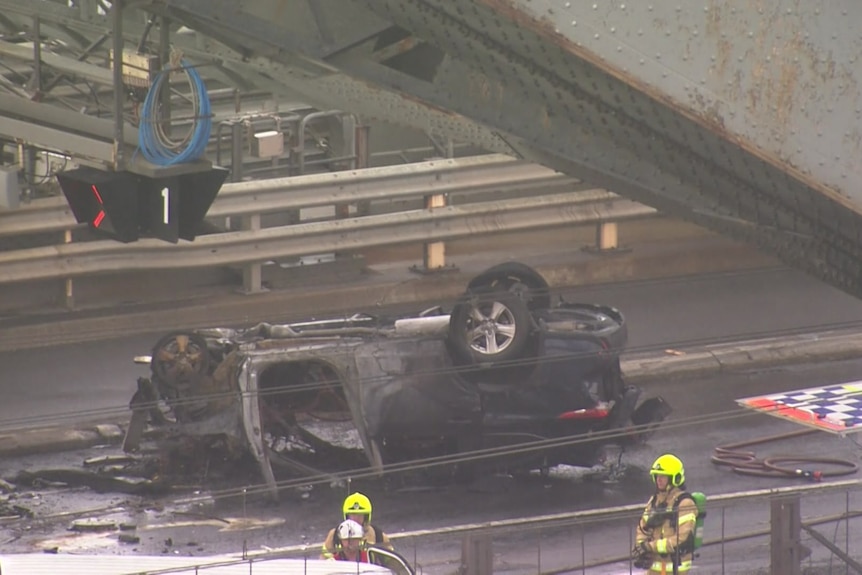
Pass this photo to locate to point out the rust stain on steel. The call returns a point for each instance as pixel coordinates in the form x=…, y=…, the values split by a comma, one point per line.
x=398, y=48
x=784, y=87
x=724, y=49
x=546, y=29
x=545, y=118
x=406, y=44
x=776, y=76
x=782, y=71
x=484, y=88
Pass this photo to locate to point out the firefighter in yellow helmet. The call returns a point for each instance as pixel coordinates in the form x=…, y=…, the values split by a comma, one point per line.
x=356, y=507
x=664, y=542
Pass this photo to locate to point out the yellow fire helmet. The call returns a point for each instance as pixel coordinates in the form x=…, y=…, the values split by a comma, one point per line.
x=359, y=504
x=670, y=466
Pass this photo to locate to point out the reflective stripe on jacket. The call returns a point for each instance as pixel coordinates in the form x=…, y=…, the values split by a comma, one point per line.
x=666, y=567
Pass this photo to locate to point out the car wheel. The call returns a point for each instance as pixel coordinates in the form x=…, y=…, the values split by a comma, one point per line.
x=489, y=327
x=180, y=356
x=518, y=278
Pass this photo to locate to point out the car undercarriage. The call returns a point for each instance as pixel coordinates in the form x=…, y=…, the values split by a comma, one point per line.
x=505, y=381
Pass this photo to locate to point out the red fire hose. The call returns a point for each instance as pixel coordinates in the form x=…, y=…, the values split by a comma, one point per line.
x=810, y=468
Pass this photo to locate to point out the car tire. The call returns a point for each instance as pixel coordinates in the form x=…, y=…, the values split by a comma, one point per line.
x=487, y=327
x=186, y=347
x=518, y=278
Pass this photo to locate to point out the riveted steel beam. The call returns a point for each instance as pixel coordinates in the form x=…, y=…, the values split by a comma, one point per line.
x=64, y=64
x=373, y=102
x=284, y=72
x=58, y=20
x=55, y=119
x=802, y=251
x=779, y=76
x=530, y=83
x=281, y=76
x=522, y=70
x=507, y=75
x=306, y=32
x=81, y=40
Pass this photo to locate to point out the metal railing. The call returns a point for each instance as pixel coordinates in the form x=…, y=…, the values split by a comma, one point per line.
x=743, y=536
x=69, y=260
x=462, y=176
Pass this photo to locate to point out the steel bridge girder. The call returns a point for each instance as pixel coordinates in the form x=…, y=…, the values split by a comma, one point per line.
x=282, y=73
x=525, y=65
x=600, y=105
x=781, y=76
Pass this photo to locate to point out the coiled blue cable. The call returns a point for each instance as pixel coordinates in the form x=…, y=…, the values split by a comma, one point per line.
x=154, y=146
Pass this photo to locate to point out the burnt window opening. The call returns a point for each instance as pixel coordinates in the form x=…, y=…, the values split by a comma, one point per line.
x=302, y=391
x=305, y=414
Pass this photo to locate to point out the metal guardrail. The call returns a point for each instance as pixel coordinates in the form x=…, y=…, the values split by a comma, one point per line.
x=437, y=224
x=603, y=513
x=559, y=204
x=741, y=532
x=449, y=176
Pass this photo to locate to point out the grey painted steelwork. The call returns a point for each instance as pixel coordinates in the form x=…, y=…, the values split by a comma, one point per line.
x=58, y=138
x=569, y=109
x=281, y=73
x=54, y=128
x=69, y=65
x=254, y=246
x=784, y=76
x=737, y=116
x=512, y=66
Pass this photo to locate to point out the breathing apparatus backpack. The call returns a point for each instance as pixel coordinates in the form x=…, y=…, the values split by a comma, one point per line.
x=700, y=501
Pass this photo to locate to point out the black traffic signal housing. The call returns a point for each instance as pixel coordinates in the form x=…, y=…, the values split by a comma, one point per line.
x=107, y=201
x=125, y=206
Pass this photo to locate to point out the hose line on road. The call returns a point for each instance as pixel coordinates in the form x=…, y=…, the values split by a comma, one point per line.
x=803, y=467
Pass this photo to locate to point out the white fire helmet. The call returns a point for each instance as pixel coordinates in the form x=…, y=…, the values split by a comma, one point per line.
x=350, y=529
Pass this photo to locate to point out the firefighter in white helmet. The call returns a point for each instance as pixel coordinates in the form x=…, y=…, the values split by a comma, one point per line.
x=351, y=542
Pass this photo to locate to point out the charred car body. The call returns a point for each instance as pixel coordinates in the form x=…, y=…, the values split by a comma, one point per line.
x=507, y=378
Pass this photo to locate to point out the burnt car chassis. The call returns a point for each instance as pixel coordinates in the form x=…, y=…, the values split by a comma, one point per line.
x=506, y=380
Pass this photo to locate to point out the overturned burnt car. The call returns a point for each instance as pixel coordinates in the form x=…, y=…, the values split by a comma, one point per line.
x=505, y=380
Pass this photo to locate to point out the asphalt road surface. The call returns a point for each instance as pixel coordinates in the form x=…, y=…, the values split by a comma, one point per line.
x=204, y=526
x=94, y=381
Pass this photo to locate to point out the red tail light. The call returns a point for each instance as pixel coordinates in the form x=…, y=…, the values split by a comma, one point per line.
x=592, y=413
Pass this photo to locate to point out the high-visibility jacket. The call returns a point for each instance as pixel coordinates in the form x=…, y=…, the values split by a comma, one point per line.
x=667, y=526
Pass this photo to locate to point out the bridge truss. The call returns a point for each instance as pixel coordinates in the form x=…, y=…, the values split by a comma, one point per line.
x=741, y=118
